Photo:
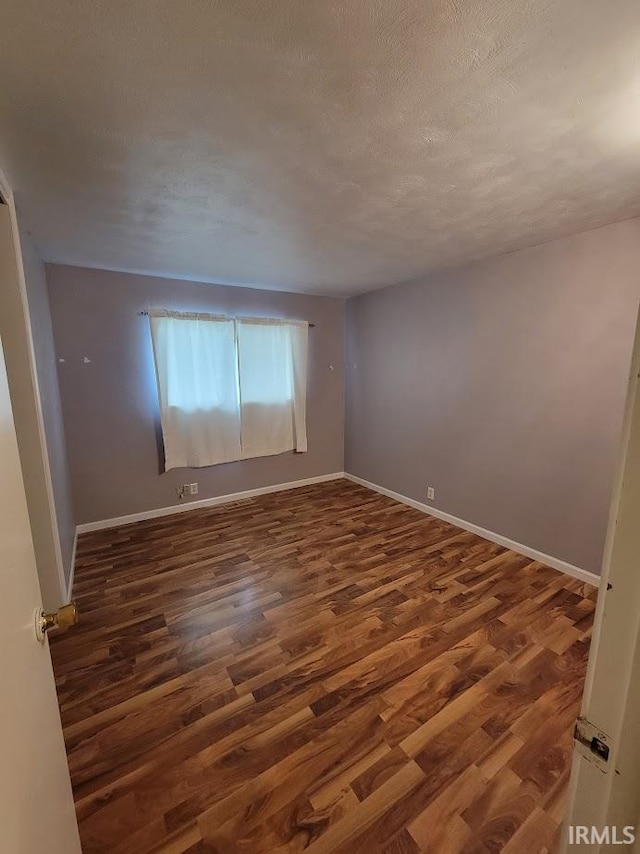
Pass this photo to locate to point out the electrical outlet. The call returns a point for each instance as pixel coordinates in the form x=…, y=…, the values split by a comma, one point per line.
x=431, y=493
x=193, y=488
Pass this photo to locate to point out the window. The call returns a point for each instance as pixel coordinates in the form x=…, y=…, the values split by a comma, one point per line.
x=229, y=389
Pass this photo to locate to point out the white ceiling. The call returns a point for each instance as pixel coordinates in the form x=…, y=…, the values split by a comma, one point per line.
x=315, y=145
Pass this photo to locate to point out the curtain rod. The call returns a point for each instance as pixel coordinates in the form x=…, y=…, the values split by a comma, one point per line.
x=311, y=325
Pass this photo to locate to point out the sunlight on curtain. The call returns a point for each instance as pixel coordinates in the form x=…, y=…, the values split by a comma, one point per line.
x=272, y=359
x=196, y=371
x=229, y=389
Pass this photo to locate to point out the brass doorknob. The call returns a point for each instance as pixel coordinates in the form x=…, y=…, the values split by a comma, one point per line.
x=63, y=618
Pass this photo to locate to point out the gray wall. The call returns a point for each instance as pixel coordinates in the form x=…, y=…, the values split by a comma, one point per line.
x=110, y=404
x=47, y=376
x=502, y=384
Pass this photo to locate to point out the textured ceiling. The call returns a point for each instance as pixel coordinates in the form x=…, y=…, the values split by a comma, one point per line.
x=313, y=145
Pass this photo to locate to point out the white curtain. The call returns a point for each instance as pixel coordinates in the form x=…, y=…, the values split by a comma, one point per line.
x=272, y=359
x=196, y=370
x=228, y=389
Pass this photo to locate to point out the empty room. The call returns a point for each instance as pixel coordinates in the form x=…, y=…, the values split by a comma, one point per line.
x=319, y=435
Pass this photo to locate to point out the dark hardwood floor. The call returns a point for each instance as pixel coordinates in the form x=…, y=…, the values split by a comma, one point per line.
x=324, y=670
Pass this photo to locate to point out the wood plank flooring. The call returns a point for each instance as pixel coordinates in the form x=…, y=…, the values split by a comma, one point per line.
x=324, y=670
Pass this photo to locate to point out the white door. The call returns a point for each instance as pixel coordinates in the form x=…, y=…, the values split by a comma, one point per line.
x=605, y=793
x=36, y=805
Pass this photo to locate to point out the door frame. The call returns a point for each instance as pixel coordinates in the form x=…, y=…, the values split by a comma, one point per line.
x=611, y=697
x=6, y=192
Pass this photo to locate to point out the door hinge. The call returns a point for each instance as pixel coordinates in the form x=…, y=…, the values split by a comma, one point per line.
x=592, y=743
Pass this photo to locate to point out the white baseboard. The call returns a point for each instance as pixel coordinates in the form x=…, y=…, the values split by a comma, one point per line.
x=534, y=554
x=204, y=502
x=73, y=568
